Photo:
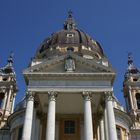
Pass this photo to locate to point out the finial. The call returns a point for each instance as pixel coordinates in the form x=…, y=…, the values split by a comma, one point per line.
x=70, y=13
x=131, y=66
x=10, y=59
x=130, y=60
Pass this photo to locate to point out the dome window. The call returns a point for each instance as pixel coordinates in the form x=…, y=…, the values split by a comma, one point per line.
x=5, y=79
x=135, y=79
x=70, y=35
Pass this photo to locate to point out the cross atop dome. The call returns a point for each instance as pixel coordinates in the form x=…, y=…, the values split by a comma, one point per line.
x=70, y=13
x=10, y=60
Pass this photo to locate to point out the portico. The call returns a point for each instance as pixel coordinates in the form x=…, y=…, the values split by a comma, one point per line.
x=66, y=107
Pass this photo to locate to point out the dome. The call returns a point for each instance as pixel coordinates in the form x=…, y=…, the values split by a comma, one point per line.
x=69, y=37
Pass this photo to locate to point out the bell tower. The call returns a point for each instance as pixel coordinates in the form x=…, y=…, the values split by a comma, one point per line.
x=131, y=90
x=8, y=89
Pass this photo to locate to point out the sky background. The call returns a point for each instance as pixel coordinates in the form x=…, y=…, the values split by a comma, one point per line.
x=24, y=24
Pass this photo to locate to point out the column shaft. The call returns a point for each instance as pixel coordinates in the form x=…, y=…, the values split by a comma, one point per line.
x=13, y=104
x=88, y=129
x=102, y=134
x=27, y=128
x=106, y=124
x=111, y=117
x=50, y=134
x=33, y=124
x=37, y=128
x=131, y=100
x=8, y=99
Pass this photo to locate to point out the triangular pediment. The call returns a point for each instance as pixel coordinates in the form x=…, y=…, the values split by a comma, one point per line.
x=58, y=65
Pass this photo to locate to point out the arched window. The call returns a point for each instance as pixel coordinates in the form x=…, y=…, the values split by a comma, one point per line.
x=1, y=99
x=138, y=100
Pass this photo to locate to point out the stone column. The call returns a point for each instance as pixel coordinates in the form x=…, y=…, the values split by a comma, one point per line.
x=27, y=128
x=102, y=134
x=8, y=108
x=33, y=124
x=13, y=104
x=106, y=124
x=112, y=134
x=98, y=132
x=88, y=129
x=131, y=100
x=50, y=133
x=37, y=129
x=4, y=102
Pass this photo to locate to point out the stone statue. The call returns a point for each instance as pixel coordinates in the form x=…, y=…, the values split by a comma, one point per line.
x=69, y=64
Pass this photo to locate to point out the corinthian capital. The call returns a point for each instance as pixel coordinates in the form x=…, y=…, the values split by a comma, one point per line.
x=30, y=95
x=108, y=96
x=87, y=95
x=52, y=95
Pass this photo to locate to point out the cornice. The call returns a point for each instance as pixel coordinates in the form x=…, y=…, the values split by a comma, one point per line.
x=72, y=89
x=43, y=75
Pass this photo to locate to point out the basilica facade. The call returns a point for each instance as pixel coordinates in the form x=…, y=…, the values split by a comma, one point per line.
x=69, y=93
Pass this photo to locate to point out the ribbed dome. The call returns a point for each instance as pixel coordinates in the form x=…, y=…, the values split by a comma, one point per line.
x=68, y=37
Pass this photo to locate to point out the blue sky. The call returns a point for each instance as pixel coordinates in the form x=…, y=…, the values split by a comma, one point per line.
x=24, y=24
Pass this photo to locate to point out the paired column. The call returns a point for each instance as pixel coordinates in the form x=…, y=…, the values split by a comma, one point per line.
x=102, y=134
x=112, y=135
x=27, y=128
x=106, y=124
x=50, y=133
x=88, y=129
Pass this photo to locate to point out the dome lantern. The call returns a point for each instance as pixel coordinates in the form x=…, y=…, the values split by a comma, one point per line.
x=69, y=24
